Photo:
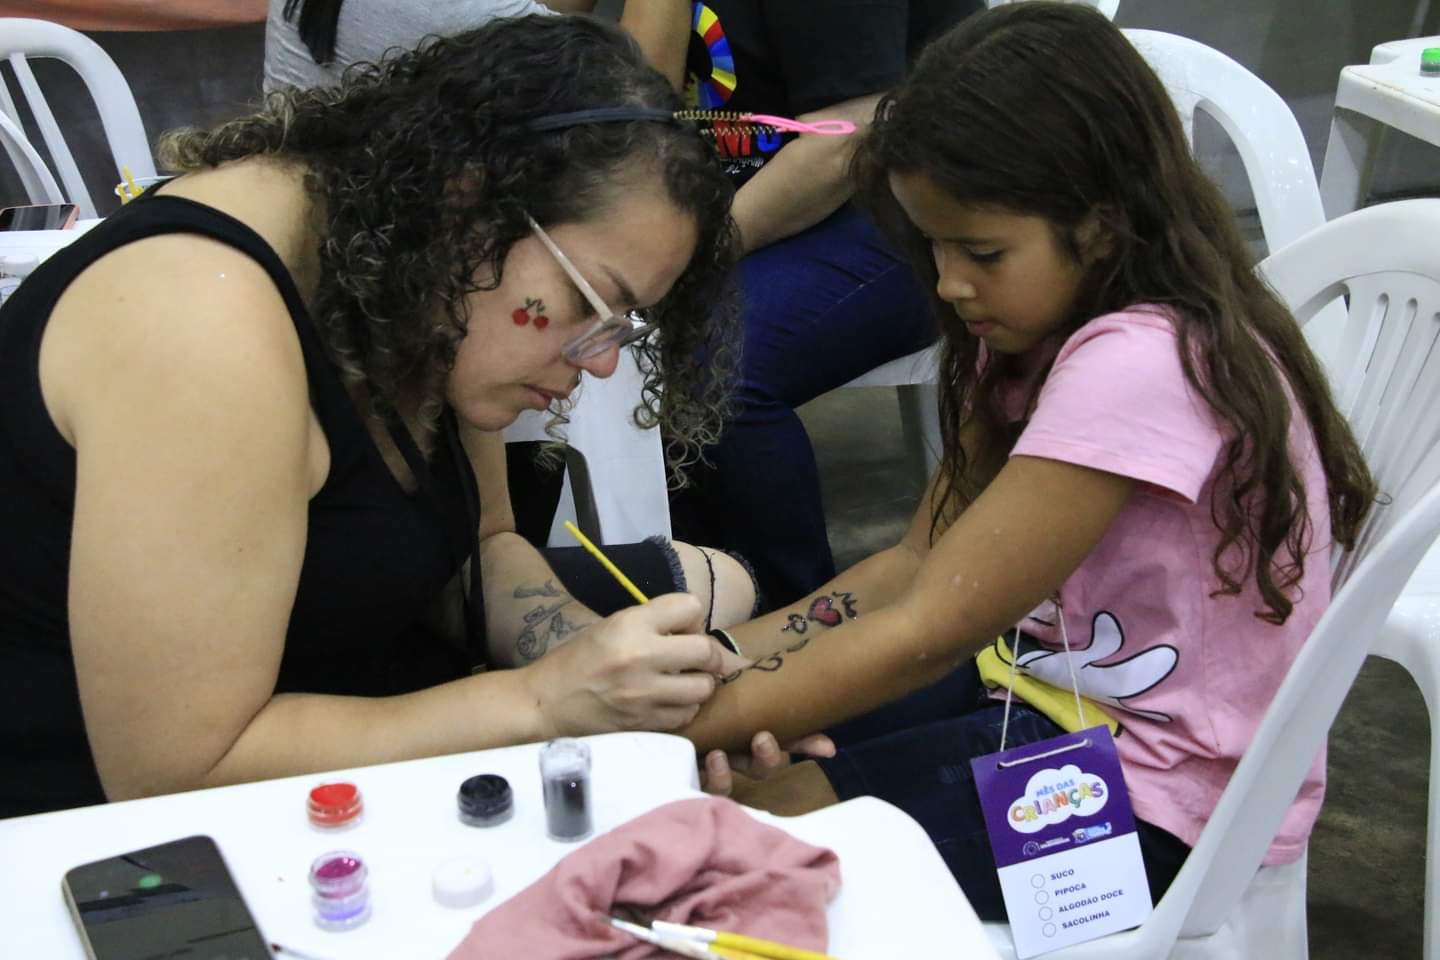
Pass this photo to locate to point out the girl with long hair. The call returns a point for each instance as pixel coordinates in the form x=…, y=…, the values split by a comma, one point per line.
x=1142, y=463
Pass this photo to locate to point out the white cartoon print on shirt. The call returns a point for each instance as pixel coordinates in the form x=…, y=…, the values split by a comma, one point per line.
x=1107, y=683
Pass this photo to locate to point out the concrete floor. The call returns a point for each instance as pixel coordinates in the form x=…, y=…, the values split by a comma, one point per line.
x=1366, y=884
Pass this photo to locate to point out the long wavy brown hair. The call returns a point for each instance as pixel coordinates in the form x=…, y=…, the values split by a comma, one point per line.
x=423, y=170
x=1045, y=109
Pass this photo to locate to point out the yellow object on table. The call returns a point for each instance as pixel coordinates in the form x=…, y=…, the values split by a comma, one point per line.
x=128, y=190
x=719, y=940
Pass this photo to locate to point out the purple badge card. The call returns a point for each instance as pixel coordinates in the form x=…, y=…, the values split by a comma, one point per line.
x=1063, y=834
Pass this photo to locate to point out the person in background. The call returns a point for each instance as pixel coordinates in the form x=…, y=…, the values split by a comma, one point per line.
x=256, y=521
x=824, y=297
x=1143, y=471
x=309, y=43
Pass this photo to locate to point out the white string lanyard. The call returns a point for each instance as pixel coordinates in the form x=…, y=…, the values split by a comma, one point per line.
x=1069, y=662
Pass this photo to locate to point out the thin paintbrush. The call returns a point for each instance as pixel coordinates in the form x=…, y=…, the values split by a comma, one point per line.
x=721, y=938
x=683, y=946
x=623, y=580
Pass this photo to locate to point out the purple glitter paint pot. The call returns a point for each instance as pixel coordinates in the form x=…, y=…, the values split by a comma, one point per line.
x=340, y=880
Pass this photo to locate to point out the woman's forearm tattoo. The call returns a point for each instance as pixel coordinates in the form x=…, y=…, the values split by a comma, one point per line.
x=546, y=589
x=545, y=624
x=821, y=611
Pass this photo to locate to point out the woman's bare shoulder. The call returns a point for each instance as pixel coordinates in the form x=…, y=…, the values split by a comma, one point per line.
x=171, y=320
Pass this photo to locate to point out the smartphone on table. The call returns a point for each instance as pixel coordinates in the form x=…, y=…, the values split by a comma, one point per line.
x=40, y=216
x=177, y=899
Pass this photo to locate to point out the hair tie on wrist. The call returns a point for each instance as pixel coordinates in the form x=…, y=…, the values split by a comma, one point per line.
x=726, y=641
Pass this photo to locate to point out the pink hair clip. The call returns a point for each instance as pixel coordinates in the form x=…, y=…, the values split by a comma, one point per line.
x=828, y=128
x=762, y=121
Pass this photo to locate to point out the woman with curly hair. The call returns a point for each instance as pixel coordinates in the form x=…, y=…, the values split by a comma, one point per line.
x=251, y=428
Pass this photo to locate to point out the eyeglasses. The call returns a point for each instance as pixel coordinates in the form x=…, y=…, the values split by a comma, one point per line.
x=609, y=330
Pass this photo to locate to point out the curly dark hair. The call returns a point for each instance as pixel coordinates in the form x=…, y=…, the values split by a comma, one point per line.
x=1046, y=109
x=422, y=170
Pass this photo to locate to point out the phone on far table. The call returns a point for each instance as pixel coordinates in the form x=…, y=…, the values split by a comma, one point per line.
x=177, y=899
x=40, y=216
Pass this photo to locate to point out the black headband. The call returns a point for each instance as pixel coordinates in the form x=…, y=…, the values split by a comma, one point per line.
x=559, y=121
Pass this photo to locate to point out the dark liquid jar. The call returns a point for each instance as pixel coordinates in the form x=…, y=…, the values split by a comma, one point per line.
x=485, y=801
x=565, y=777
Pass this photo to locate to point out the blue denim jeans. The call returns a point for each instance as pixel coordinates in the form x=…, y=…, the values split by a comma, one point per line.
x=916, y=752
x=819, y=309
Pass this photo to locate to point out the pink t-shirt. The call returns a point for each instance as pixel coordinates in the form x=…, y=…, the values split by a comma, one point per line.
x=1188, y=675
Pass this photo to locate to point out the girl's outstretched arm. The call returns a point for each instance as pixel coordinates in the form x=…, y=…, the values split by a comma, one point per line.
x=907, y=616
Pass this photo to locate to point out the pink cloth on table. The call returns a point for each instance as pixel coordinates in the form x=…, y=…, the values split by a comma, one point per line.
x=702, y=861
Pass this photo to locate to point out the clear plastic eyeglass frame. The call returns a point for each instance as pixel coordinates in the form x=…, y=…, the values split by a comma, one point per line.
x=610, y=329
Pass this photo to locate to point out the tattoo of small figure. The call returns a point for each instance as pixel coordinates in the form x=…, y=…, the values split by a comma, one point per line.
x=542, y=626
x=546, y=589
x=521, y=315
x=795, y=623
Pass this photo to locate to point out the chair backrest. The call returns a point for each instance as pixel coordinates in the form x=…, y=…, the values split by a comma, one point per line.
x=1264, y=131
x=617, y=482
x=35, y=177
x=21, y=39
x=1391, y=392
x=1265, y=134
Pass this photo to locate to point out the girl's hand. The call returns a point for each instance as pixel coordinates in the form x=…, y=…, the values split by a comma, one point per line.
x=648, y=667
x=723, y=773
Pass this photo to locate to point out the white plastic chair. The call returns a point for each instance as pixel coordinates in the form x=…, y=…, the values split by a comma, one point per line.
x=614, y=485
x=1411, y=638
x=1224, y=903
x=1277, y=163
x=1411, y=634
x=21, y=39
x=35, y=176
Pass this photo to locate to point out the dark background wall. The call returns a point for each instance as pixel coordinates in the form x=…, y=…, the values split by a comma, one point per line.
x=178, y=78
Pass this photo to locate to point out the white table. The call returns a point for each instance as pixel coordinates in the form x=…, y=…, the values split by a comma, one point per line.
x=41, y=243
x=897, y=897
x=1387, y=92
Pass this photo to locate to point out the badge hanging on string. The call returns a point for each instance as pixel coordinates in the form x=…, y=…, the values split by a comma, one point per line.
x=1063, y=833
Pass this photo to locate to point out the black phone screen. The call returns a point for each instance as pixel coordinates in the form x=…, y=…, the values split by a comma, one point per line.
x=43, y=216
x=173, y=900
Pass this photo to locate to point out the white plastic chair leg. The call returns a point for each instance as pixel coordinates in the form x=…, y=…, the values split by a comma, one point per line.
x=1411, y=638
x=1349, y=158
x=920, y=422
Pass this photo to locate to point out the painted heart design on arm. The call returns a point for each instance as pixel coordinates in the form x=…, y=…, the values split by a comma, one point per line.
x=823, y=611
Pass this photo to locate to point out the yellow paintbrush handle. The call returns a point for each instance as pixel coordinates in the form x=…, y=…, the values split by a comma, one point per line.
x=620, y=578
x=764, y=948
x=730, y=953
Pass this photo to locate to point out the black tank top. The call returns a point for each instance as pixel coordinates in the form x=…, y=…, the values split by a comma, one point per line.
x=376, y=558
